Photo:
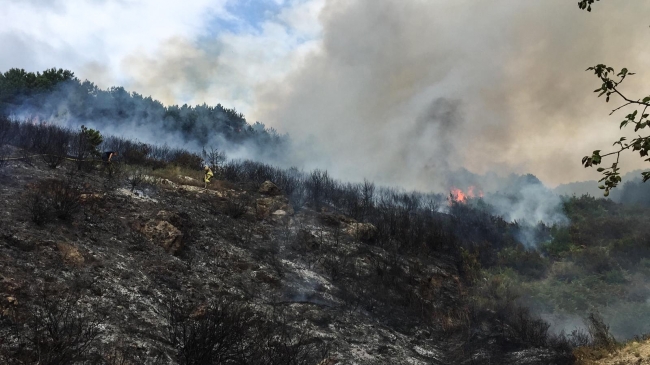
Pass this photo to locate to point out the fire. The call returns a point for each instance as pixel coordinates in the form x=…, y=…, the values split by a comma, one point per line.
x=459, y=196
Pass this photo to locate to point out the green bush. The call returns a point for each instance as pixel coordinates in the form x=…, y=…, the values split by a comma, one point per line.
x=615, y=277
x=566, y=271
x=595, y=260
x=631, y=250
x=530, y=264
x=559, y=244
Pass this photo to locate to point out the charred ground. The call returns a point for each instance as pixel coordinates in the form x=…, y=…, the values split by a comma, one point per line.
x=135, y=262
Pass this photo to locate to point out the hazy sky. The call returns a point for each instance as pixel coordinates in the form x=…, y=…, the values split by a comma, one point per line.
x=399, y=91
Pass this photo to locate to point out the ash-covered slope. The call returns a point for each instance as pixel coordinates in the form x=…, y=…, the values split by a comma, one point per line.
x=171, y=273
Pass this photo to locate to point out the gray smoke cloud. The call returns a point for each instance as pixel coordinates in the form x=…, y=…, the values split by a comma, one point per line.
x=402, y=93
x=370, y=96
x=398, y=92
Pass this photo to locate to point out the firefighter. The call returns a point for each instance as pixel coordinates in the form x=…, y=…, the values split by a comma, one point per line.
x=107, y=156
x=208, y=176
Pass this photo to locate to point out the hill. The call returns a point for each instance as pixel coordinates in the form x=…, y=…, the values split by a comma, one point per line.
x=57, y=96
x=134, y=262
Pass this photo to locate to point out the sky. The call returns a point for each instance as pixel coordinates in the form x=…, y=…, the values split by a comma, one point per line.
x=400, y=92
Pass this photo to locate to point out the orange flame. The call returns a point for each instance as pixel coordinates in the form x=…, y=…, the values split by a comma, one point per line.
x=459, y=196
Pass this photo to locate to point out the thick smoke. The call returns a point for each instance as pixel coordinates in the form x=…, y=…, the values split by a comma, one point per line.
x=353, y=81
x=515, y=70
x=116, y=112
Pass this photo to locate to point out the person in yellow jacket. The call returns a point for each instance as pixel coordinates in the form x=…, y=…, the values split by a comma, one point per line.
x=208, y=176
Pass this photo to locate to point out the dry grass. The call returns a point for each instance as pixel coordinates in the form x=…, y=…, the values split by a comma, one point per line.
x=184, y=176
x=634, y=352
x=70, y=254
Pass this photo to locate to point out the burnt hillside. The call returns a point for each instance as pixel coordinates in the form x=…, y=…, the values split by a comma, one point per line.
x=135, y=263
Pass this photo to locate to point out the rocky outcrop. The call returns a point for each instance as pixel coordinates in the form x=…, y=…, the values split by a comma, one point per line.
x=269, y=188
x=162, y=232
x=8, y=308
x=266, y=207
x=70, y=254
x=335, y=220
x=362, y=231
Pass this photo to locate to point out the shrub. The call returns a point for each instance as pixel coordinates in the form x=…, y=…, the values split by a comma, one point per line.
x=136, y=178
x=135, y=153
x=497, y=325
x=527, y=263
x=39, y=207
x=51, y=198
x=52, y=332
x=53, y=145
x=230, y=332
x=215, y=159
x=85, y=144
x=5, y=130
x=216, y=335
x=599, y=332
x=630, y=251
x=595, y=260
x=235, y=207
x=559, y=244
x=4, y=154
x=187, y=160
x=615, y=277
x=566, y=271
x=470, y=269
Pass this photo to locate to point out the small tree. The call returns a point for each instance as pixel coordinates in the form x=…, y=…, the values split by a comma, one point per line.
x=86, y=145
x=214, y=158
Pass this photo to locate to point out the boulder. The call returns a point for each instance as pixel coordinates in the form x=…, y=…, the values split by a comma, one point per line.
x=168, y=182
x=199, y=312
x=70, y=254
x=269, y=188
x=162, y=232
x=265, y=206
x=362, y=231
x=335, y=220
x=9, y=309
x=307, y=239
x=187, y=179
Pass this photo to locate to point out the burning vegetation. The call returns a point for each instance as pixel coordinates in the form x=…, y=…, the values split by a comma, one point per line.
x=457, y=195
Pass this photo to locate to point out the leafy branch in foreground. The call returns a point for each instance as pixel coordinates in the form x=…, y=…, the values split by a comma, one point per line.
x=610, y=86
x=586, y=4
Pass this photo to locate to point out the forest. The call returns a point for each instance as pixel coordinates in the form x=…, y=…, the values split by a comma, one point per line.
x=57, y=96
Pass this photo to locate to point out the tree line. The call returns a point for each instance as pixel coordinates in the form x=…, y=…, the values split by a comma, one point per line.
x=56, y=94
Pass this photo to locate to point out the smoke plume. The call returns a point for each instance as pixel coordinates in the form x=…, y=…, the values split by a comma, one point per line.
x=511, y=74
